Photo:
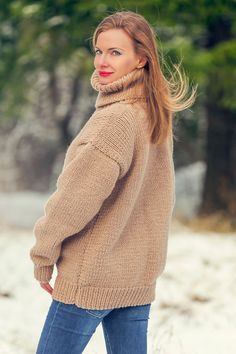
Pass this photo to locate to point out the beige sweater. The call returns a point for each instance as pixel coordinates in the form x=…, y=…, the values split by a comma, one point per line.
x=106, y=226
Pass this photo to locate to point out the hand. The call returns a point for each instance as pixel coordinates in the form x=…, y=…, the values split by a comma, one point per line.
x=46, y=286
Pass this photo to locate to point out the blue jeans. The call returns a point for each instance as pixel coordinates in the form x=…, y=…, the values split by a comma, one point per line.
x=68, y=329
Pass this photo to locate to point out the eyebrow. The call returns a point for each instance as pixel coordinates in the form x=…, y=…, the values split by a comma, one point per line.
x=110, y=48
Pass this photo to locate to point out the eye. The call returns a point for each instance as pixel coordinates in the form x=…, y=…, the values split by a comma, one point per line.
x=116, y=51
x=95, y=51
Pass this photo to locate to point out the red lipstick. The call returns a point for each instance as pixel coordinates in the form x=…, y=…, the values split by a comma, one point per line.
x=104, y=73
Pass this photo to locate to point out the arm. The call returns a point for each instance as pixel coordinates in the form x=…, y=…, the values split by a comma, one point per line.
x=81, y=189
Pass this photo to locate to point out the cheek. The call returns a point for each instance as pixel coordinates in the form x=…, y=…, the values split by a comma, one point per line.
x=123, y=62
x=95, y=61
x=128, y=61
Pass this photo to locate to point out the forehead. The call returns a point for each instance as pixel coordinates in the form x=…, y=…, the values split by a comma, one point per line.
x=114, y=38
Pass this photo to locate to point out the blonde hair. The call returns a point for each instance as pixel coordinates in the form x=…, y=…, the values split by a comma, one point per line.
x=164, y=97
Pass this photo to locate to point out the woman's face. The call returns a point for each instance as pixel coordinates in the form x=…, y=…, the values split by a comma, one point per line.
x=114, y=53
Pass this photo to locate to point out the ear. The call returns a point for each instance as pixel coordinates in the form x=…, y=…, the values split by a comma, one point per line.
x=142, y=62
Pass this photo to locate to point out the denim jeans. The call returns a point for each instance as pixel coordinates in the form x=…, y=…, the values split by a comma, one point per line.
x=68, y=329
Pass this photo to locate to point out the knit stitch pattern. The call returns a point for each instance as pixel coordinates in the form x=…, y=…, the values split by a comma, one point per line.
x=105, y=228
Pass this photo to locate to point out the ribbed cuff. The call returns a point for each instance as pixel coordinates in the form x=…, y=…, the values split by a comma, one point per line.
x=43, y=273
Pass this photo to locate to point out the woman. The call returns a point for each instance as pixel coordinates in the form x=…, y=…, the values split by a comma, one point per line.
x=106, y=226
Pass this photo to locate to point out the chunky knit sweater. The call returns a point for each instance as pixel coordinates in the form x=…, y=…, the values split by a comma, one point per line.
x=106, y=225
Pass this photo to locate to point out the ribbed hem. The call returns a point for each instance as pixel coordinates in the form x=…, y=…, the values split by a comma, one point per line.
x=101, y=298
x=43, y=273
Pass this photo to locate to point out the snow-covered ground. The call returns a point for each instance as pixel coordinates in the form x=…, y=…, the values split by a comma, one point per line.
x=194, y=311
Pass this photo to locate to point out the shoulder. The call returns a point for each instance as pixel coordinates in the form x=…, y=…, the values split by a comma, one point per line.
x=118, y=113
x=112, y=130
x=115, y=128
x=111, y=122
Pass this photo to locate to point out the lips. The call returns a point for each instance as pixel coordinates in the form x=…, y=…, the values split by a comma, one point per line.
x=105, y=73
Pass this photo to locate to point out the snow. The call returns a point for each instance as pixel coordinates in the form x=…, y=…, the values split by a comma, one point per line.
x=194, y=311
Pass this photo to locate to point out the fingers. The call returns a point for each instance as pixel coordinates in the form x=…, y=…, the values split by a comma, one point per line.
x=46, y=286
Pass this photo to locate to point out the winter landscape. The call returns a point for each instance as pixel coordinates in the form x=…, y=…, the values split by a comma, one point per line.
x=47, y=56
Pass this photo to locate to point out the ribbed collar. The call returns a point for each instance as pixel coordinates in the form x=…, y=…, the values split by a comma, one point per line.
x=127, y=88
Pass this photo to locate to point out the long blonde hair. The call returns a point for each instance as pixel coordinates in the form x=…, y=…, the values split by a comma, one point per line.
x=164, y=97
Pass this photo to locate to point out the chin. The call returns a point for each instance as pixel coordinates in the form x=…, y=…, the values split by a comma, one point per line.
x=105, y=79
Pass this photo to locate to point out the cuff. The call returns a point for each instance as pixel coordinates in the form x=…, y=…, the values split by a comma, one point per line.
x=43, y=273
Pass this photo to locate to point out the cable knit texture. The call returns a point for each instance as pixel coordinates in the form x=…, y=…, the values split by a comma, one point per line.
x=106, y=226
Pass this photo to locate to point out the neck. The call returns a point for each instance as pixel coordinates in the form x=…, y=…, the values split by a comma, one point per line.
x=129, y=88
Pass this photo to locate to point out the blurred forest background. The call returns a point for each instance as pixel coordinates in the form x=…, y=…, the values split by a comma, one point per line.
x=46, y=62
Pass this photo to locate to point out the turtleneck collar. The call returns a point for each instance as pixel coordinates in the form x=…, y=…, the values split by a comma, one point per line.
x=127, y=88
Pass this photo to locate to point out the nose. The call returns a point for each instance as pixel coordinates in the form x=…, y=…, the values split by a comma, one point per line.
x=102, y=61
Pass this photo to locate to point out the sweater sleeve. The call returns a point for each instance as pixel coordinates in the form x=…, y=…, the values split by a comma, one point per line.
x=82, y=187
